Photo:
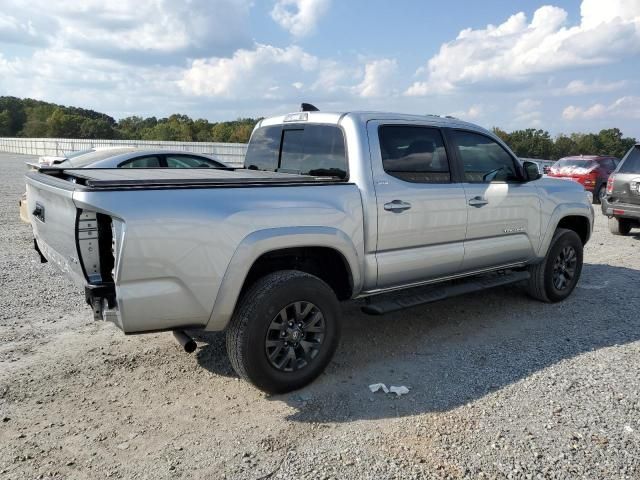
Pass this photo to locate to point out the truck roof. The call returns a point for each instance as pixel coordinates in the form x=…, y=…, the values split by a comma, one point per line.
x=365, y=116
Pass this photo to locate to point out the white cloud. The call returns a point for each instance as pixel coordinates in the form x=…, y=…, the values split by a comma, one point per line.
x=266, y=72
x=137, y=31
x=527, y=113
x=472, y=113
x=15, y=30
x=378, y=78
x=299, y=17
x=624, y=107
x=580, y=87
x=517, y=50
x=527, y=105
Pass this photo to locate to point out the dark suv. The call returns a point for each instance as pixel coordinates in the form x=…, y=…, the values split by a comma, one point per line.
x=622, y=200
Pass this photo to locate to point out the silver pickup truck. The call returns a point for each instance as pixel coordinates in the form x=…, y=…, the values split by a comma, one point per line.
x=396, y=210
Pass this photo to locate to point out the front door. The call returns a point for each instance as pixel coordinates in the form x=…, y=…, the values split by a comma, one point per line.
x=422, y=213
x=503, y=211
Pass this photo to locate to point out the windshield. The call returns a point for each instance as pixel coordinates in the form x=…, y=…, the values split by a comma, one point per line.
x=93, y=156
x=575, y=162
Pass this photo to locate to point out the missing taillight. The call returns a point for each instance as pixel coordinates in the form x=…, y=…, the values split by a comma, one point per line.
x=94, y=240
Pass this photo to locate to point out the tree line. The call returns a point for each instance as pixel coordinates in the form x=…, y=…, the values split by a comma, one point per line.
x=537, y=143
x=34, y=118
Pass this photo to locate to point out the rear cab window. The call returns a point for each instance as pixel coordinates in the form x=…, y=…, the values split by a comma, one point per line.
x=307, y=149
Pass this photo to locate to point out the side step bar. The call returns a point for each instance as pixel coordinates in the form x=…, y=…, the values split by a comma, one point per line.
x=391, y=302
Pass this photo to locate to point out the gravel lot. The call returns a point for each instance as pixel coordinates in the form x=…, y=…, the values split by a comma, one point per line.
x=501, y=385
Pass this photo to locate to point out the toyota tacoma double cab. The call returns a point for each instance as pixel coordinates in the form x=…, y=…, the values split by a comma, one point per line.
x=396, y=210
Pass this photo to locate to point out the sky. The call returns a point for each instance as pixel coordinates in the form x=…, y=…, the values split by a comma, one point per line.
x=563, y=66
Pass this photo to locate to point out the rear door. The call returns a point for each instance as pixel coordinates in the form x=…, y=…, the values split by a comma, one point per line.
x=503, y=212
x=422, y=213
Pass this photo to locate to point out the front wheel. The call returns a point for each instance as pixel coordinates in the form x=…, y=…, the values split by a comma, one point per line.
x=556, y=276
x=284, y=331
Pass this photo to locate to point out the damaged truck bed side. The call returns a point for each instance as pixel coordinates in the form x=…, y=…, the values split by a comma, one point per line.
x=329, y=207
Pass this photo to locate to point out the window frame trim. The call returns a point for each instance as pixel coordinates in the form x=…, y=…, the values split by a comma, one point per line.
x=446, y=145
x=449, y=133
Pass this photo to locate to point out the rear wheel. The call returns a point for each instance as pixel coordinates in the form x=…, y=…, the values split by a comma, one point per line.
x=556, y=276
x=284, y=331
x=619, y=226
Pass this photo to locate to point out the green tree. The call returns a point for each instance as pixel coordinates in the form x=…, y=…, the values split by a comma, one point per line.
x=611, y=142
x=15, y=115
x=63, y=125
x=96, y=128
x=563, y=147
x=5, y=124
x=531, y=143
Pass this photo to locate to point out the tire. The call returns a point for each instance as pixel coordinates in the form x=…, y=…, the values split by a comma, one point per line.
x=619, y=226
x=545, y=283
x=254, y=345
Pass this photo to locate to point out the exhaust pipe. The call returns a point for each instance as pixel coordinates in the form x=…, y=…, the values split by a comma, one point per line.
x=188, y=343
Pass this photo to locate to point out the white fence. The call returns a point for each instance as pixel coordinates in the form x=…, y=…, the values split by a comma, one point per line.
x=229, y=153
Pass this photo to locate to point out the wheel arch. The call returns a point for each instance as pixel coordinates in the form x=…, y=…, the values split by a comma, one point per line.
x=578, y=218
x=325, y=252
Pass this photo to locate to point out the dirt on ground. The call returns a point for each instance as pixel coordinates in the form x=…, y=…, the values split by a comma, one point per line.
x=500, y=385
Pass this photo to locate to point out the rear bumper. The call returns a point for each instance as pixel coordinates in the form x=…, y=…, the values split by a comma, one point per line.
x=620, y=210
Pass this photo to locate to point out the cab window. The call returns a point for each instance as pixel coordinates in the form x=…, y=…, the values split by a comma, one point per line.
x=414, y=154
x=483, y=159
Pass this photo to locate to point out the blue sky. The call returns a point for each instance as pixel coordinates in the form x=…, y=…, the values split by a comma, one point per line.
x=564, y=66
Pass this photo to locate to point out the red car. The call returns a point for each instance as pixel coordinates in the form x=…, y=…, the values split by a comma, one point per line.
x=592, y=171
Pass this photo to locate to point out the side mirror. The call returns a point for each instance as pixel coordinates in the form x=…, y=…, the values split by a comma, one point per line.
x=531, y=171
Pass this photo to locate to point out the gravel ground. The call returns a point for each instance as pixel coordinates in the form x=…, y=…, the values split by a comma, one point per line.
x=501, y=386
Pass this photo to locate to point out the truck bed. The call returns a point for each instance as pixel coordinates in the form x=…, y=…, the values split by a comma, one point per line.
x=123, y=178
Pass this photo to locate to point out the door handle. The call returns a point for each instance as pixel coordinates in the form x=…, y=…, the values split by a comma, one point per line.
x=478, y=202
x=397, y=206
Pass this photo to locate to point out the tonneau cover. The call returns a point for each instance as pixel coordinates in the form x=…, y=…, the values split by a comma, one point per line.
x=155, y=177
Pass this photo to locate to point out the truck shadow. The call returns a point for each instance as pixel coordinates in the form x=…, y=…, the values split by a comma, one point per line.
x=459, y=350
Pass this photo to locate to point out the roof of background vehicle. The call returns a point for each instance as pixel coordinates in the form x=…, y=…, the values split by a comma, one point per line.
x=111, y=159
x=587, y=157
x=96, y=155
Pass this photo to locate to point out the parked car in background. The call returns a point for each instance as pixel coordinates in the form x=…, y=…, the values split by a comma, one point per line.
x=622, y=200
x=591, y=171
x=124, y=157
